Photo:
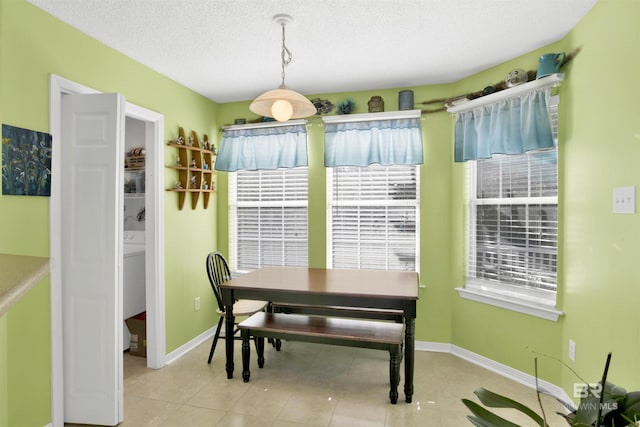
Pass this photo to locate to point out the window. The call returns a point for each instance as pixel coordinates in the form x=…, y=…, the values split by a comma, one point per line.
x=268, y=218
x=513, y=225
x=373, y=217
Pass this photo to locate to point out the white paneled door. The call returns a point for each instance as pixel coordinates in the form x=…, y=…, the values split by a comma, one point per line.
x=92, y=145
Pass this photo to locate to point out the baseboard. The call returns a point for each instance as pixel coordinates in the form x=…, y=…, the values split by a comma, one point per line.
x=190, y=345
x=498, y=368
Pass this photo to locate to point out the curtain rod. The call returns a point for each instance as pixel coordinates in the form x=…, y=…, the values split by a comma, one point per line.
x=543, y=82
x=366, y=117
x=264, y=125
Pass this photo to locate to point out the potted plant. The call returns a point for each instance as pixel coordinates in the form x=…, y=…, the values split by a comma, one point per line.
x=600, y=406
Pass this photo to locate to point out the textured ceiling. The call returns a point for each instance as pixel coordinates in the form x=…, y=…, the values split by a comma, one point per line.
x=229, y=50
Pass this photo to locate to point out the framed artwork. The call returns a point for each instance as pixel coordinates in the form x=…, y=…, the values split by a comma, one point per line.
x=26, y=162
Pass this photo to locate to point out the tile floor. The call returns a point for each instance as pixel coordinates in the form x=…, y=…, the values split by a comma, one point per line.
x=311, y=385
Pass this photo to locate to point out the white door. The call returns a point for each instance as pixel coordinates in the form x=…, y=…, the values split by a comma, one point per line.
x=92, y=145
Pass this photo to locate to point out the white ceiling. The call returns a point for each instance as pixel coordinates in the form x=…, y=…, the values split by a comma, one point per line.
x=229, y=50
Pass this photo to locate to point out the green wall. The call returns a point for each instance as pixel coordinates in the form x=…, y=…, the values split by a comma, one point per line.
x=33, y=46
x=597, y=273
x=602, y=148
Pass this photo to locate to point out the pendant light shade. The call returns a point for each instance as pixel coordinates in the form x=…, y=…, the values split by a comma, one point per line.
x=283, y=104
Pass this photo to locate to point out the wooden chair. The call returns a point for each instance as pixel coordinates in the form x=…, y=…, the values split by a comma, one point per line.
x=218, y=272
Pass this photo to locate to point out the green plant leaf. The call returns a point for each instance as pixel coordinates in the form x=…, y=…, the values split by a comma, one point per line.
x=494, y=400
x=485, y=416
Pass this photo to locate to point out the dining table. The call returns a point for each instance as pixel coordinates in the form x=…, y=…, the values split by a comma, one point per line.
x=357, y=288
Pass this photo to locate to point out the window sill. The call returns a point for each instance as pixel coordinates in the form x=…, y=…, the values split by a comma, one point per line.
x=518, y=305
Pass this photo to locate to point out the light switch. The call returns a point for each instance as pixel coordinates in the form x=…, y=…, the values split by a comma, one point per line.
x=624, y=200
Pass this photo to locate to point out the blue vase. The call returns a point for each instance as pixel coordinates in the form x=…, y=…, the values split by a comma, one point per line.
x=405, y=100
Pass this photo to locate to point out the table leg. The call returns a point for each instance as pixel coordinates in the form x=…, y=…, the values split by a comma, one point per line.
x=246, y=355
x=409, y=352
x=394, y=373
x=228, y=338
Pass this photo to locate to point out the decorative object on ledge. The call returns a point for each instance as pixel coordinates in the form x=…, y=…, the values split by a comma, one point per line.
x=323, y=106
x=376, y=104
x=283, y=104
x=550, y=63
x=455, y=101
x=405, y=100
x=516, y=77
x=346, y=107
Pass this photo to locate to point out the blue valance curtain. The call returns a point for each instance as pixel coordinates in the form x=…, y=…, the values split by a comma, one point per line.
x=510, y=126
x=362, y=143
x=262, y=148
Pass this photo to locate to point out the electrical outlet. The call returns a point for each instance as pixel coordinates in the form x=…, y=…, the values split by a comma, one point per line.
x=572, y=350
x=196, y=304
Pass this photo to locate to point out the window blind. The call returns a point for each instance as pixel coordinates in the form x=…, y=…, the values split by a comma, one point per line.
x=268, y=218
x=373, y=217
x=514, y=220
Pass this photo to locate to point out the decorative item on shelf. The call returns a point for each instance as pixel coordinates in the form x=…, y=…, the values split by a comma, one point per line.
x=213, y=185
x=323, y=106
x=488, y=90
x=346, y=107
x=205, y=166
x=283, y=104
x=193, y=163
x=193, y=183
x=550, y=63
x=240, y=121
x=405, y=100
x=376, y=104
x=177, y=185
x=517, y=77
x=192, y=140
x=214, y=149
x=180, y=140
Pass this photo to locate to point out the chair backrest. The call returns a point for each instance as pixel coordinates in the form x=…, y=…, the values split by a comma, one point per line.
x=218, y=272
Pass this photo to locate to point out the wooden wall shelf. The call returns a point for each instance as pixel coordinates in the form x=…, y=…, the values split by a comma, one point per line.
x=194, y=165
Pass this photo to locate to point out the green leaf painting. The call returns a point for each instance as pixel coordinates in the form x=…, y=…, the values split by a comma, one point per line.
x=26, y=162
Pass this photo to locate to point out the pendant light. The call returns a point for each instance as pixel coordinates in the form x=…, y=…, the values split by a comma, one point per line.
x=283, y=104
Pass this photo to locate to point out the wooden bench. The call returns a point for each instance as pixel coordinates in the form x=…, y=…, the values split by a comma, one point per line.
x=335, y=311
x=326, y=330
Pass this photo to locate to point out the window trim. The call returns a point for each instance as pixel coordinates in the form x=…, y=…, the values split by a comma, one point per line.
x=496, y=299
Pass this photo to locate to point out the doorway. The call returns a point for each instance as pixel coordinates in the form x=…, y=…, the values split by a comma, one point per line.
x=154, y=242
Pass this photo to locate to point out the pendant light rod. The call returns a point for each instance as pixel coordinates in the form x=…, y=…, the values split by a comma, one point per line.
x=283, y=104
x=285, y=55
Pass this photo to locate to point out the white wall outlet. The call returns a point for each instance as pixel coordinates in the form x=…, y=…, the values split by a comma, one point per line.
x=196, y=304
x=572, y=350
x=624, y=200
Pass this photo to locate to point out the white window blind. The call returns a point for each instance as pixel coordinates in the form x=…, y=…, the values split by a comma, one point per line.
x=268, y=218
x=513, y=224
x=373, y=217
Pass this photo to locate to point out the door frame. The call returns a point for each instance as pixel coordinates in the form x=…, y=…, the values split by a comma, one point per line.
x=154, y=234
